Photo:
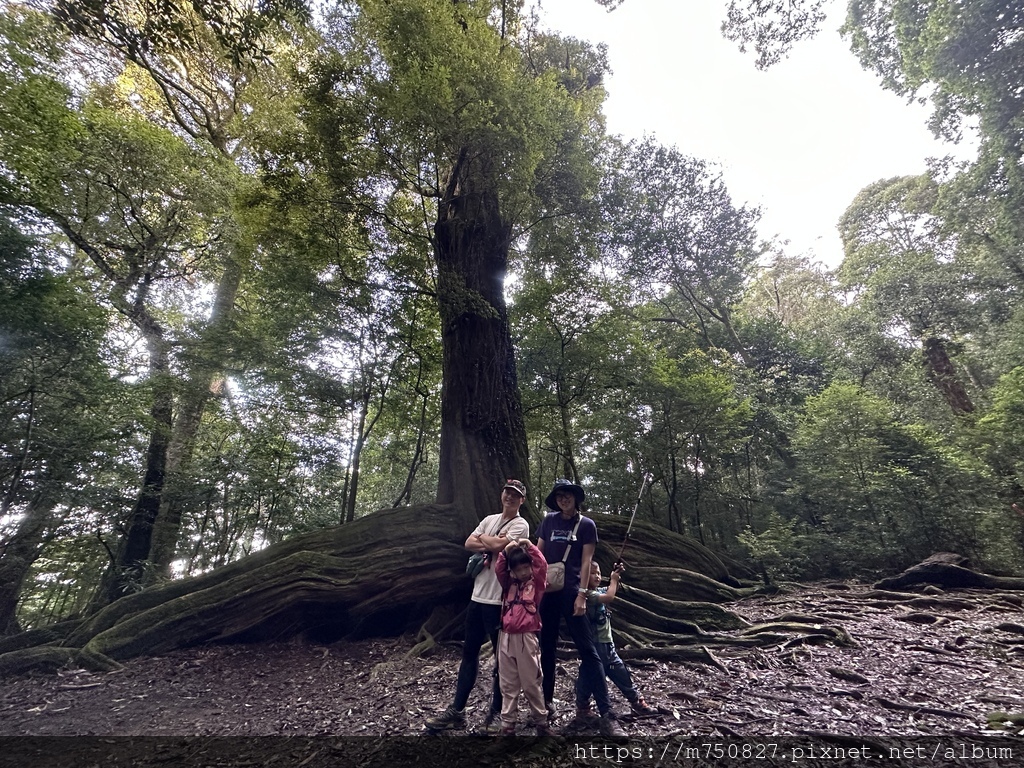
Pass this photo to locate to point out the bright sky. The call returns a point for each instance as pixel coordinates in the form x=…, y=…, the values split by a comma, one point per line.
x=799, y=140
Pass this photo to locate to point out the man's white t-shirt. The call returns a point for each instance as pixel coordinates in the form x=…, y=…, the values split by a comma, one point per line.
x=486, y=588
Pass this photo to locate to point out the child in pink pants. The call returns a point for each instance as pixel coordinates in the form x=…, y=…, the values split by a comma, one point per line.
x=522, y=573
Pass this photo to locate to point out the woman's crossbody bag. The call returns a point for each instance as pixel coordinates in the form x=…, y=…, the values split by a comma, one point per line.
x=556, y=571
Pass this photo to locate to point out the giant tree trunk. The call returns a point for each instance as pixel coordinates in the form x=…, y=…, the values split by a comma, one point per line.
x=483, y=436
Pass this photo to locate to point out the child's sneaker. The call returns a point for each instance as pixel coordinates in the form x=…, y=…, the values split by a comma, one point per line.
x=544, y=731
x=449, y=719
x=508, y=730
x=641, y=708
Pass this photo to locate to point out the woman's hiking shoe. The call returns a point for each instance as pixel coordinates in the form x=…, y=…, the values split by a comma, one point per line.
x=552, y=713
x=585, y=719
x=449, y=719
x=611, y=730
x=641, y=708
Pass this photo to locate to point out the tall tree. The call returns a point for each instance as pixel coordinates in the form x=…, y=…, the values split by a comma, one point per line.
x=196, y=70
x=967, y=59
x=56, y=399
x=906, y=271
x=678, y=227
x=193, y=74
x=468, y=118
x=135, y=200
x=772, y=27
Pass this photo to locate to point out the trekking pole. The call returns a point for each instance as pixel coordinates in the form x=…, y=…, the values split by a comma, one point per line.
x=625, y=539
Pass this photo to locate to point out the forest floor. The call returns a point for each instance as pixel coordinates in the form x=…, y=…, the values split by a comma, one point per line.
x=925, y=674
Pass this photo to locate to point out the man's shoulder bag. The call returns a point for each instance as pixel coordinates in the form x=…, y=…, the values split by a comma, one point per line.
x=480, y=560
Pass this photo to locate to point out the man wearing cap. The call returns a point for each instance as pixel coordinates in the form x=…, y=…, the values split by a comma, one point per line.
x=566, y=536
x=483, y=617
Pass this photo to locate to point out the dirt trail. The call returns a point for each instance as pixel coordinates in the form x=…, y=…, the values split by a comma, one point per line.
x=925, y=666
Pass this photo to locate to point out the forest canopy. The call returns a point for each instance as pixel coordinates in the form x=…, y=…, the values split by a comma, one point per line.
x=267, y=271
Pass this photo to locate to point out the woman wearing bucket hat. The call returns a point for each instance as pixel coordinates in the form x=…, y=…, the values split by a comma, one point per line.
x=569, y=538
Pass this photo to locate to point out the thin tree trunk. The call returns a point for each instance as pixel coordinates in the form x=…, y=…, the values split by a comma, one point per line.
x=673, y=494
x=348, y=468
x=357, y=452
x=20, y=551
x=198, y=390
x=19, y=470
x=568, y=460
x=698, y=524
x=417, y=457
x=126, y=573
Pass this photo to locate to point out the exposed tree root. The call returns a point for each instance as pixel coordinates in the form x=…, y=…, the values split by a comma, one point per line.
x=848, y=676
x=396, y=571
x=402, y=571
x=697, y=654
x=426, y=643
x=888, y=704
x=949, y=571
x=837, y=635
x=1003, y=719
x=43, y=657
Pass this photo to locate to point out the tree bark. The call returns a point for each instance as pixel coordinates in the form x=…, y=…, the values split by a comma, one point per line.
x=943, y=375
x=126, y=573
x=18, y=554
x=483, y=435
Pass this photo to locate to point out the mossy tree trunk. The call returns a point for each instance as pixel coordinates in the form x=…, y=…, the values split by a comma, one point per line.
x=483, y=434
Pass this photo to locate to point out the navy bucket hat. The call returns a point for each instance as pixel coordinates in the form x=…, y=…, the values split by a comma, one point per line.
x=564, y=486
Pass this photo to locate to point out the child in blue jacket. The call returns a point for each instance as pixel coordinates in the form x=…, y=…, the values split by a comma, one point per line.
x=598, y=598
